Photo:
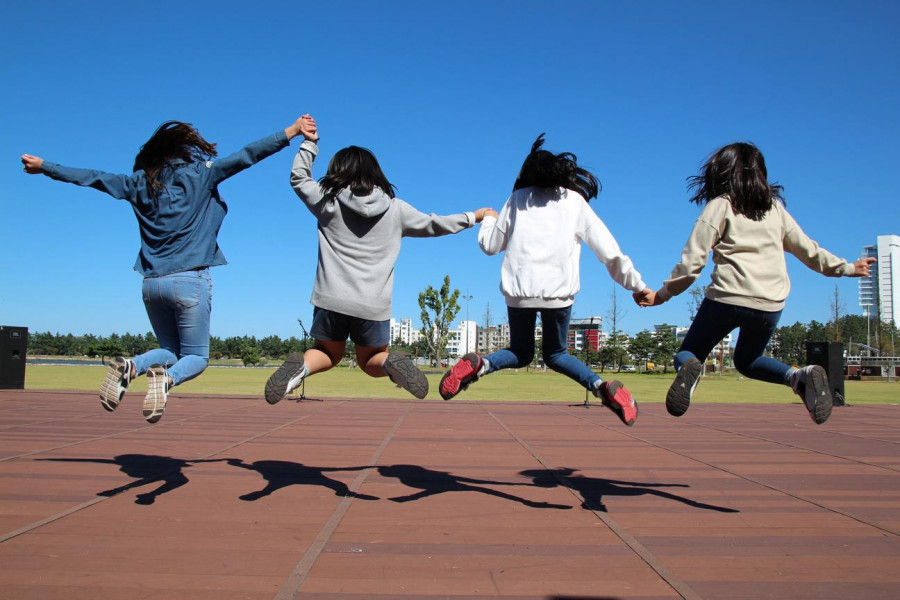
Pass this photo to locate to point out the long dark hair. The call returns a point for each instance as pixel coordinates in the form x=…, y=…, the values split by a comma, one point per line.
x=355, y=168
x=544, y=169
x=171, y=140
x=737, y=171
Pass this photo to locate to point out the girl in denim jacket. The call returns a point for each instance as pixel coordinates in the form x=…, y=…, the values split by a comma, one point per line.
x=173, y=192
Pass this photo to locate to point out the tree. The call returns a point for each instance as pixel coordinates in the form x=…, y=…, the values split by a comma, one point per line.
x=837, y=307
x=697, y=293
x=641, y=347
x=250, y=354
x=789, y=344
x=666, y=346
x=615, y=343
x=439, y=309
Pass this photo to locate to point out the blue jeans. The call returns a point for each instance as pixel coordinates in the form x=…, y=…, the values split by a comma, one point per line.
x=521, y=344
x=178, y=306
x=713, y=322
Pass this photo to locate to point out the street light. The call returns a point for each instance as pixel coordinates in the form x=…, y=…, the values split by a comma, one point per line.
x=467, y=297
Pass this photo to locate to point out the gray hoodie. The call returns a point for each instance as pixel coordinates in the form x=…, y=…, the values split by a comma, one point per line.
x=359, y=241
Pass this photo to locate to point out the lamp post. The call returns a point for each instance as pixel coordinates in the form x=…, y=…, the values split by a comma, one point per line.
x=467, y=297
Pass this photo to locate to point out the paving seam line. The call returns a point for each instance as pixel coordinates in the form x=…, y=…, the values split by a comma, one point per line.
x=301, y=571
x=682, y=588
x=161, y=475
x=757, y=481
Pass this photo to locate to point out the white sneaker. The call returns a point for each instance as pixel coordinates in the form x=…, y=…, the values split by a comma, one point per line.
x=286, y=379
x=118, y=376
x=157, y=394
x=811, y=384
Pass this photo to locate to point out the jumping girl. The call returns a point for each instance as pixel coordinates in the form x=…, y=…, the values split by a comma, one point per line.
x=360, y=224
x=173, y=192
x=541, y=228
x=745, y=225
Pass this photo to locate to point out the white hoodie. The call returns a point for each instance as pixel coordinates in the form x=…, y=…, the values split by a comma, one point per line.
x=541, y=231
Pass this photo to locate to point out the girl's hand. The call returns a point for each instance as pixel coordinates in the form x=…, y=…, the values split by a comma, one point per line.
x=481, y=213
x=308, y=128
x=32, y=164
x=861, y=267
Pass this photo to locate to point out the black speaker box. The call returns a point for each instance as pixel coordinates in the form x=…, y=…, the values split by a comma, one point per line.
x=13, y=348
x=829, y=356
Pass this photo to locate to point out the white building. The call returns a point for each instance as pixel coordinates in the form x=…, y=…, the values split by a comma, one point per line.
x=879, y=294
x=463, y=339
x=405, y=331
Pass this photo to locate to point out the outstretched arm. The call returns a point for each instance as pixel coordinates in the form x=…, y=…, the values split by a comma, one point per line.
x=249, y=155
x=117, y=186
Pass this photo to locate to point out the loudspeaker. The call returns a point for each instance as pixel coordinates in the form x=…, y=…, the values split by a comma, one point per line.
x=829, y=356
x=13, y=348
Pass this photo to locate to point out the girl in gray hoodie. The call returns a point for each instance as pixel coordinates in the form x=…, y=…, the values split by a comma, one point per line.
x=357, y=212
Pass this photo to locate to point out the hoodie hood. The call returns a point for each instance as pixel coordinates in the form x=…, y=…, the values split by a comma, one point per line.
x=368, y=206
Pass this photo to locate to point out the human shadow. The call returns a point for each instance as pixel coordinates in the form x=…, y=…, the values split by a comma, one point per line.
x=146, y=469
x=279, y=474
x=593, y=489
x=432, y=483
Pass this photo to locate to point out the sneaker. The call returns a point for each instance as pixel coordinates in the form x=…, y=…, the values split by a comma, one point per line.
x=811, y=384
x=157, y=394
x=618, y=399
x=405, y=374
x=285, y=379
x=678, y=399
x=464, y=372
x=118, y=376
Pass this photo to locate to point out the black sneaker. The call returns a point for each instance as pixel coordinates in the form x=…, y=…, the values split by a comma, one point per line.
x=285, y=379
x=405, y=374
x=811, y=384
x=678, y=399
x=118, y=376
x=464, y=372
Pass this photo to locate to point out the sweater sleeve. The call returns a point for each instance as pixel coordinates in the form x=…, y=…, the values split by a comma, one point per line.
x=809, y=253
x=694, y=256
x=492, y=236
x=117, y=186
x=418, y=224
x=306, y=188
x=599, y=239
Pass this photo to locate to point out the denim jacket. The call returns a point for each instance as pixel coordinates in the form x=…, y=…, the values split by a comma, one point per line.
x=179, y=228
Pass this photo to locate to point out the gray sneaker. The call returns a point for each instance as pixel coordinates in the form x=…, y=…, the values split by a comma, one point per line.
x=811, y=384
x=118, y=376
x=157, y=394
x=678, y=398
x=285, y=379
x=405, y=374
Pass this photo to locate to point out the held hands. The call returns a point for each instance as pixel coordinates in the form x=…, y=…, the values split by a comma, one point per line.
x=32, y=164
x=647, y=297
x=481, y=213
x=861, y=267
x=305, y=126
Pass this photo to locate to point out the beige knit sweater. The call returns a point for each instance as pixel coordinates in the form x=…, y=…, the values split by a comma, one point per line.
x=750, y=269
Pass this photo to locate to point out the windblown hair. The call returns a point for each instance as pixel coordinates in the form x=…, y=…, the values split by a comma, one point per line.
x=171, y=140
x=544, y=169
x=355, y=168
x=737, y=171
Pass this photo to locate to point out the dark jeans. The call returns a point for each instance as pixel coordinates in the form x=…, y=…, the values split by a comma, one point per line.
x=521, y=344
x=713, y=322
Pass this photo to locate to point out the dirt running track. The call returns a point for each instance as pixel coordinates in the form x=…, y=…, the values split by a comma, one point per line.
x=350, y=499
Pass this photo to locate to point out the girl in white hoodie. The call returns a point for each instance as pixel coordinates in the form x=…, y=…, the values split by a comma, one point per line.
x=541, y=228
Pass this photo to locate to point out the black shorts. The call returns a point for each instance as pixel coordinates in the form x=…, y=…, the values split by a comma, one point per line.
x=330, y=326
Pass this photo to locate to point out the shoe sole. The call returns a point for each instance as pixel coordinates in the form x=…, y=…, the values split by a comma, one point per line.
x=678, y=398
x=610, y=391
x=276, y=386
x=463, y=381
x=157, y=395
x=405, y=374
x=110, y=393
x=817, y=396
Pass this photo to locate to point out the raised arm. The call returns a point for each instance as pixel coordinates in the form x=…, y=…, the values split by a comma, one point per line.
x=249, y=155
x=117, y=186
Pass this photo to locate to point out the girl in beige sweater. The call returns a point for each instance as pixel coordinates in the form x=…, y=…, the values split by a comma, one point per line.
x=746, y=227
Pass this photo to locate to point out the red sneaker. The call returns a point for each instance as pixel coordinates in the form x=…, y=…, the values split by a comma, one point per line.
x=460, y=376
x=618, y=399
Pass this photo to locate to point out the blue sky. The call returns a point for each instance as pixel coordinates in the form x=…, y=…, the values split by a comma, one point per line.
x=449, y=96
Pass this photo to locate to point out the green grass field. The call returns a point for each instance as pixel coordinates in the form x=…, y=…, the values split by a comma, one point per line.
x=519, y=385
